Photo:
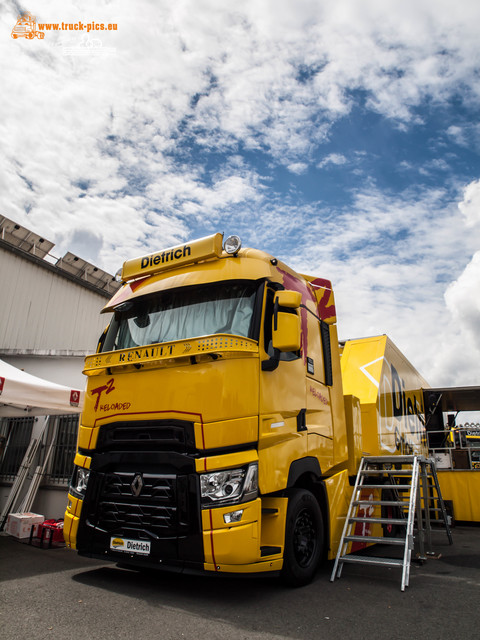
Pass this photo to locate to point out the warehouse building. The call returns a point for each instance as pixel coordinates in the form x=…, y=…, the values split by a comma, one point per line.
x=49, y=321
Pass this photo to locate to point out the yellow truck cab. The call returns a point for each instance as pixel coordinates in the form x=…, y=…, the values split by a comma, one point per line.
x=215, y=434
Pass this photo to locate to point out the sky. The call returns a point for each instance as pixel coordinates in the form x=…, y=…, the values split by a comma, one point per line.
x=340, y=136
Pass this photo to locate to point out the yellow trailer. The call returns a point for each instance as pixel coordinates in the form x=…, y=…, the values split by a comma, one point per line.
x=390, y=391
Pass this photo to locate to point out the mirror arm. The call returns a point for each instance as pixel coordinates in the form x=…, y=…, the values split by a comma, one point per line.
x=272, y=363
x=275, y=315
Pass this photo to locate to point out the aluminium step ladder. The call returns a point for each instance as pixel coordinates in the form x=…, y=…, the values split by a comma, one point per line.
x=409, y=490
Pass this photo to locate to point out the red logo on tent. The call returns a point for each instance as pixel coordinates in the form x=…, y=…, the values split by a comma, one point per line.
x=74, y=398
x=2, y=382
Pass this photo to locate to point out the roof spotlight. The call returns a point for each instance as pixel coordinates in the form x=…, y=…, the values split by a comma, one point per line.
x=232, y=244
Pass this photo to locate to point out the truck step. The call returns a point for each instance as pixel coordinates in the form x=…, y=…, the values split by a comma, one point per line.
x=399, y=487
x=389, y=562
x=377, y=540
x=390, y=459
x=269, y=551
x=378, y=520
x=391, y=472
x=383, y=503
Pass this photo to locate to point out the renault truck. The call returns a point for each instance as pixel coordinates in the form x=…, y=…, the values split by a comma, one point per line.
x=223, y=422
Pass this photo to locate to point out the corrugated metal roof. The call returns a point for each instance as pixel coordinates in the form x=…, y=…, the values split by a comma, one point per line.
x=33, y=247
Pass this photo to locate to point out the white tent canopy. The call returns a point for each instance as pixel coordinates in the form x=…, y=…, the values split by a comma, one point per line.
x=23, y=394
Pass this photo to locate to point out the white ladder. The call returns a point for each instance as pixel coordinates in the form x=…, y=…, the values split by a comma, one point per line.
x=404, y=482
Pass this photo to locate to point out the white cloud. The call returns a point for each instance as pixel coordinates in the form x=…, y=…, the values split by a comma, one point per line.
x=298, y=167
x=332, y=159
x=470, y=205
x=273, y=76
x=463, y=301
x=115, y=152
x=457, y=134
x=391, y=259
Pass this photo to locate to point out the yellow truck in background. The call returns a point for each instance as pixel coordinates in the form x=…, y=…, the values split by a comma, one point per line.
x=223, y=423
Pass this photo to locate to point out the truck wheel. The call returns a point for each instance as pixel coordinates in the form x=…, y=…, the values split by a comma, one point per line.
x=303, y=538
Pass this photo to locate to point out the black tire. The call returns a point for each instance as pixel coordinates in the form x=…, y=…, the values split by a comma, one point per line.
x=304, y=538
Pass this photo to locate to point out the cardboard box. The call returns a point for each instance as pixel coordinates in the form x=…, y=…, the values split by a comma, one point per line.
x=19, y=525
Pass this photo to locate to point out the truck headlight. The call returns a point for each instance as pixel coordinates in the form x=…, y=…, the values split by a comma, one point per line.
x=79, y=481
x=230, y=486
x=232, y=245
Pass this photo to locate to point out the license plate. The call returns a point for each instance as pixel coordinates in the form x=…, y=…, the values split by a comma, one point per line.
x=138, y=547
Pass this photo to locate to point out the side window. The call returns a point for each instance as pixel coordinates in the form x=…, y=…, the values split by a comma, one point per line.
x=319, y=353
x=315, y=350
x=287, y=355
x=327, y=352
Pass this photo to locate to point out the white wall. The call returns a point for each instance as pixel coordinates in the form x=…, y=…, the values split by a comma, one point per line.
x=44, y=312
x=50, y=503
x=48, y=324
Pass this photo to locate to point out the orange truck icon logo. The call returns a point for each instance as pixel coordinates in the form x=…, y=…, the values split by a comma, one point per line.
x=26, y=27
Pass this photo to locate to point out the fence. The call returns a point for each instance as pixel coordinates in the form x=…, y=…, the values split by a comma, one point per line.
x=60, y=470
x=15, y=434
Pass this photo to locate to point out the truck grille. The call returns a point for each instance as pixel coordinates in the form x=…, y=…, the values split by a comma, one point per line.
x=159, y=508
x=147, y=435
x=162, y=488
x=143, y=481
x=119, y=516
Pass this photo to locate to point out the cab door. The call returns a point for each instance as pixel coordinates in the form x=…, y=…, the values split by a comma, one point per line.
x=318, y=398
x=282, y=410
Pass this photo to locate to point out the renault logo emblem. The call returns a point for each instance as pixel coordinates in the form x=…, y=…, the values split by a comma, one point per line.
x=137, y=485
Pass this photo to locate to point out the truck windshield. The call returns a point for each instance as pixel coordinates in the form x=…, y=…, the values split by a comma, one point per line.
x=182, y=314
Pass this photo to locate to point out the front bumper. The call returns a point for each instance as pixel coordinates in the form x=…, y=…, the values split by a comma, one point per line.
x=226, y=548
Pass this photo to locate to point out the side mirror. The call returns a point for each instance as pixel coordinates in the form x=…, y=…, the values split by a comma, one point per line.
x=286, y=321
x=289, y=299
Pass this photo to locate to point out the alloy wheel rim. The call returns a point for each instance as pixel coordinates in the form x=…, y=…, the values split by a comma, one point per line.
x=304, y=538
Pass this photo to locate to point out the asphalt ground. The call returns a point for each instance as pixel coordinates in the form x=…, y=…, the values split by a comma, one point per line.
x=54, y=593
